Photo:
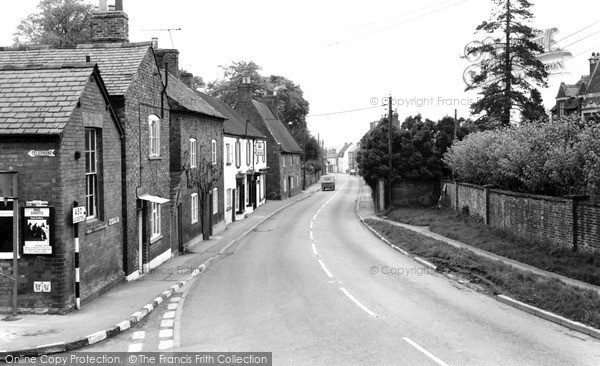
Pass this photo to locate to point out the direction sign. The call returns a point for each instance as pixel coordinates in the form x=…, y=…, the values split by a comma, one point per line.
x=79, y=214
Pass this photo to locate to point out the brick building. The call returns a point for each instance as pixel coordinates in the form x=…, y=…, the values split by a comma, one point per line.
x=137, y=93
x=284, y=176
x=60, y=133
x=196, y=140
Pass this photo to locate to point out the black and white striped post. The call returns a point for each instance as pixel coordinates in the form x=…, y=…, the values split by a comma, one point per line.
x=76, y=219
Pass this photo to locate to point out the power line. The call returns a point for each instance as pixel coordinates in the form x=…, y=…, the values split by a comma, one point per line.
x=393, y=17
x=579, y=31
x=581, y=39
x=393, y=25
x=346, y=111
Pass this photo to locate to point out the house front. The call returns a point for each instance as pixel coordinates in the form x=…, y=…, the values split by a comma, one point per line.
x=245, y=163
x=196, y=163
x=62, y=137
x=284, y=175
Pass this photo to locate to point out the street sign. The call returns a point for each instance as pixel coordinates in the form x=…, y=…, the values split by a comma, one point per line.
x=79, y=214
x=34, y=153
x=260, y=148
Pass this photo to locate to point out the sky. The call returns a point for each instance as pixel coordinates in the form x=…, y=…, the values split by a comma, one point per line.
x=346, y=56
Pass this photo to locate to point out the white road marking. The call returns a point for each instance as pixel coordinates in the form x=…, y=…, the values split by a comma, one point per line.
x=175, y=299
x=311, y=225
x=138, y=335
x=166, y=344
x=325, y=269
x=315, y=217
x=360, y=305
x=165, y=333
x=311, y=235
x=314, y=249
x=167, y=323
x=172, y=306
x=425, y=352
x=169, y=315
x=136, y=347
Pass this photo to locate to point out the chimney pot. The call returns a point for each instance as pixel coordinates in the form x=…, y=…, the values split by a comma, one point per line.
x=155, y=42
x=111, y=7
x=103, y=6
x=186, y=78
x=118, y=5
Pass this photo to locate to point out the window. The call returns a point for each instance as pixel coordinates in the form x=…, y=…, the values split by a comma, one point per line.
x=292, y=183
x=229, y=154
x=155, y=226
x=248, y=153
x=285, y=184
x=237, y=200
x=238, y=154
x=215, y=200
x=91, y=173
x=154, y=135
x=214, y=151
x=194, y=208
x=193, y=153
x=283, y=158
x=228, y=198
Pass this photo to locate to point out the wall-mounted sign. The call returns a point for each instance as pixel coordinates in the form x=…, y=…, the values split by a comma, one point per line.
x=37, y=230
x=79, y=214
x=42, y=286
x=260, y=148
x=113, y=220
x=36, y=153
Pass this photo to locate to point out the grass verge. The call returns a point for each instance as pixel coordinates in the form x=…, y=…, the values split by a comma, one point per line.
x=494, y=277
x=580, y=266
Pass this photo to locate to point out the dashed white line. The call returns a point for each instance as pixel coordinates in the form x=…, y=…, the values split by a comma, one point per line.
x=311, y=235
x=136, y=347
x=315, y=217
x=167, y=323
x=360, y=305
x=425, y=352
x=172, y=306
x=166, y=344
x=175, y=299
x=311, y=225
x=314, y=249
x=138, y=335
x=169, y=315
x=165, y=333
x=325, y=269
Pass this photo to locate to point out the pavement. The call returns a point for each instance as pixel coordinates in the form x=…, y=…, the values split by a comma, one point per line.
x=365, y=209
x=128, y=303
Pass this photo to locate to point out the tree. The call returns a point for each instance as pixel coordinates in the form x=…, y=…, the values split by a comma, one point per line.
x=58, y=23
x=225, y=89
x=533, y=109
x=506, y=75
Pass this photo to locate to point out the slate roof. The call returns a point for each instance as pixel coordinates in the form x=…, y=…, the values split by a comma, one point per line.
x=279, y=132
x=118, y=62
x=343, y=150
x=39, y=99
x=235, y=124
x=188, y=99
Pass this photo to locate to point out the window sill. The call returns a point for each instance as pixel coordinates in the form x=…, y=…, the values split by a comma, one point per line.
x=152, y=157
x=94, y=225
x=195, y=222
x=154, y=240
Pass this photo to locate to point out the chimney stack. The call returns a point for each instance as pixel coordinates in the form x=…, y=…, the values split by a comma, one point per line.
x=186, y=78
x=273, y=102
x=245, y=90
x=167, y=59
x=155, y=43
x=110, y=26
x=594, y=62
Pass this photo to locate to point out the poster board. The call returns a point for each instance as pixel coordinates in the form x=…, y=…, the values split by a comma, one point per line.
x=37, y=230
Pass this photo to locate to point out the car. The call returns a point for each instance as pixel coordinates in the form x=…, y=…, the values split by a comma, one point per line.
x=352, y=172
x=328, y=183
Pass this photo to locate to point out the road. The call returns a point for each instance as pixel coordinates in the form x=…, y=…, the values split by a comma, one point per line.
x=314, y=286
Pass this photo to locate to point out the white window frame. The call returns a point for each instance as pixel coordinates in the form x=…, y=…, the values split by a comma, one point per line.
x=154, y=135
x=285, y=184
x=155, y=221
x=229, y=154
x=194, y=207
x=193, y=152
x=248, y=153
x=213, y=149
x=91, y=173
x=228, y=199
x=238, y=153
x=283, y=157
x=215, y=200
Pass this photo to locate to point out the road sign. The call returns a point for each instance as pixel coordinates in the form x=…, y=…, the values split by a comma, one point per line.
x=35, y=153
x=79, y=214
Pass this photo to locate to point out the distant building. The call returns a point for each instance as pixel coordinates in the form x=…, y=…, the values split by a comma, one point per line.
x=582, y=98
x=352, y=153
x=332, y=161
x=283, y=152
x=342, y=160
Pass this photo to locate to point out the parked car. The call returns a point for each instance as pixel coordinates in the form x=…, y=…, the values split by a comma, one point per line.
x=328, y=183
x=352, y=172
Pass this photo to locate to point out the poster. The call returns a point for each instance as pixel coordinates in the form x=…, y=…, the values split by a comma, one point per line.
x=37, y=230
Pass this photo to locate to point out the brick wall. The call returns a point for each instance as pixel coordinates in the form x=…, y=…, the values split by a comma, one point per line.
x=416, y=192
x=568, y=222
